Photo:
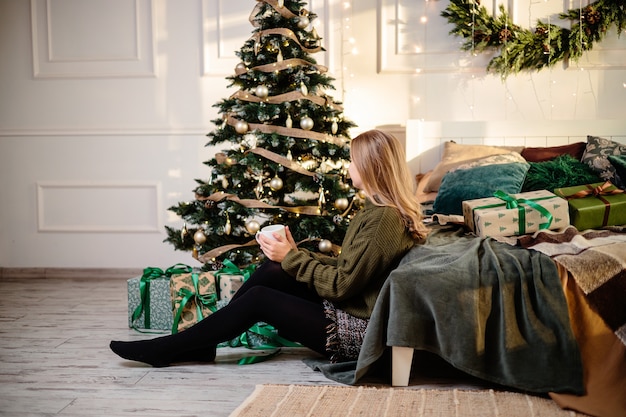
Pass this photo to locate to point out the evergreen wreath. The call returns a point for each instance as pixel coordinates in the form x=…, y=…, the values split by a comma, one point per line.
x=527, y=49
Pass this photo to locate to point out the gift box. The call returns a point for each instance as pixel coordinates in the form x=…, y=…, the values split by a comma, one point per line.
x=230, y=278
x=193, y=296
x=515, y=214
x=149, y=300
x=593, y=206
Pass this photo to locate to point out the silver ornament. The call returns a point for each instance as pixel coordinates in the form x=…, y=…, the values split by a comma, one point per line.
x=261, y=91
x=303, y=22
x=306, y=123
x=199, y=237
x=288, y=122
x=325, y=245
x=334, y=127
x=241, y=127
x=252, y=226
x=276, y=183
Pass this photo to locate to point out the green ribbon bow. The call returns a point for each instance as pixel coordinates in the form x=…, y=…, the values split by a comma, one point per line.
x=149, y=274
x=207, y=300
x=272, y=341
x=512, y=203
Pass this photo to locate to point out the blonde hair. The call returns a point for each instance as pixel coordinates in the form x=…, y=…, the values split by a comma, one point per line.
x=381, y=162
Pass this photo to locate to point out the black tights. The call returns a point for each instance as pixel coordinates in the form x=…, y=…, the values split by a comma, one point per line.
x=270, y=295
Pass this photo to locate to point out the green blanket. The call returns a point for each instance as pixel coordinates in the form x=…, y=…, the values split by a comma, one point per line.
x=492, y=310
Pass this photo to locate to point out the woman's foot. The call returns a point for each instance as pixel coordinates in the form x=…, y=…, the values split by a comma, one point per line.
x=153, y=353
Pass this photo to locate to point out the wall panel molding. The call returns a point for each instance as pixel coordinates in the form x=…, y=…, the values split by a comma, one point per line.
x=97, y=39
x=412, y=39
x=96, y=131
x=99, y=207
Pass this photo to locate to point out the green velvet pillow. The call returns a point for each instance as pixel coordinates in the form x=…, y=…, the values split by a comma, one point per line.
x=477, y=182
x=562, y=171
x=619, y=163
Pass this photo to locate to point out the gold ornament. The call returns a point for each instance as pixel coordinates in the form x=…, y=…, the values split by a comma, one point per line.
x=362, y=194
x=306, y=123
x=258, y=190
x=252, y=226
x=322, y=198
x=241, y=127
x=230, y=161
x=184, y=232
x=276, y=183
x=199, y=237
x=334, y=127
x=288, y=122
x=228, y=227
x=261, y=91
x=325, y=245
x=342, y=203
x=303, y=89
x=279, y=57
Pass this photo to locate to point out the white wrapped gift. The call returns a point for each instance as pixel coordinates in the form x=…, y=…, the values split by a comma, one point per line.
x=516, y=214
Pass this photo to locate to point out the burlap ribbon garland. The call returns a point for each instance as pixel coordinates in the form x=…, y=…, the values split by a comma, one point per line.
x=291, y=96
x=287, y=131
x=279, y=159
x=278, y=66
x=287, y=33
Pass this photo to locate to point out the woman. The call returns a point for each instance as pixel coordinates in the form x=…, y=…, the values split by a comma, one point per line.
x=322, y=302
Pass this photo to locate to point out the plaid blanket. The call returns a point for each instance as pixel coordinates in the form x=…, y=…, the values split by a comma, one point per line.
x=596, y=259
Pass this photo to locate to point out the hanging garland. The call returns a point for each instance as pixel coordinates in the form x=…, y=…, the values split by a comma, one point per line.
x=526, y=49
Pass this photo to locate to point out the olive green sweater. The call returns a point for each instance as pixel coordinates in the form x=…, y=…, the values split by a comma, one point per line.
x=375, y=242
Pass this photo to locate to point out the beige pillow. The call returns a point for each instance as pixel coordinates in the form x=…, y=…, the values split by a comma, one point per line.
x=455, y=154
x=421, y=196
x=503, y=158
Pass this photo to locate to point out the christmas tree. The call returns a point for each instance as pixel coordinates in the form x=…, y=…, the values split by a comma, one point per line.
x=288, y=150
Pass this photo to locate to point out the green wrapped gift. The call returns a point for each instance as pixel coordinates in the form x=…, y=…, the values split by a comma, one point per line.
x=593, y=206
x=149, y=300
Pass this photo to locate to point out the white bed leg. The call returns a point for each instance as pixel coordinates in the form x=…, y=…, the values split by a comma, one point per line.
x=401, y=359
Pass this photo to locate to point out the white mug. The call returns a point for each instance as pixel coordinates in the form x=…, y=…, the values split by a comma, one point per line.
x=271, y=229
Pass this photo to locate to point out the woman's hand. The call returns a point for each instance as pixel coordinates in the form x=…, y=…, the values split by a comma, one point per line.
x=276, y=249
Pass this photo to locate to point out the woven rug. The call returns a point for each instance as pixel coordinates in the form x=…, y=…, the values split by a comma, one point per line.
x=341, y=401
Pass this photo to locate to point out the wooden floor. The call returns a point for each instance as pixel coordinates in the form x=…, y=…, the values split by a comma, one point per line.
x=55, y=359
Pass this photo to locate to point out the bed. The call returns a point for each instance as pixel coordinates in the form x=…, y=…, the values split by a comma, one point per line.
x=542, y=312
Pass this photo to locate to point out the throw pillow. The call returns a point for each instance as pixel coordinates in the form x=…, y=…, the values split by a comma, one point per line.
x=619, y=163
x=596, y=156
x=562, y=171
x=540, y=154
x=455, y=154
x=503, y=158
x=478, y=182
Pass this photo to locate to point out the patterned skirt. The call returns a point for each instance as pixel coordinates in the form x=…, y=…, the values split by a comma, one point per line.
x=344, y=336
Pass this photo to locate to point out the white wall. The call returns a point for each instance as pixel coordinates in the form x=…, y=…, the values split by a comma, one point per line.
x=105, y=104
